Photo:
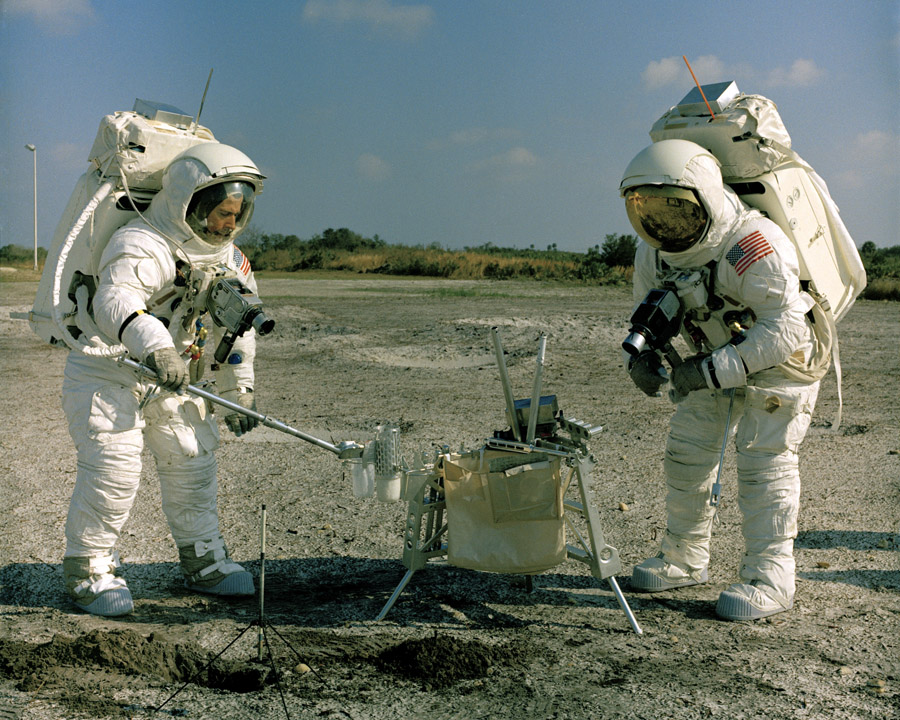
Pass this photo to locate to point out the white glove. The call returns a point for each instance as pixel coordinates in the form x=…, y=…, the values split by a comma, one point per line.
x=171, y=370
x=237, y=422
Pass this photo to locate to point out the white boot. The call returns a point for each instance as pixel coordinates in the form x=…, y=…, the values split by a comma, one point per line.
x=751, y=601
x=208, y=569
x=94, y=588
x=657, y=575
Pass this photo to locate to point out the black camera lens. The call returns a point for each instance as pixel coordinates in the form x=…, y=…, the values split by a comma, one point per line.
x=262, y=324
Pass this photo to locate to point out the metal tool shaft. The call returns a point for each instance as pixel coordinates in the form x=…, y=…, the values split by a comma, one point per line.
x=345, y=450
x=716, y=491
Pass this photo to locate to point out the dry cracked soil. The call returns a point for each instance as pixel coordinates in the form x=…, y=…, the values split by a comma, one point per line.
x=351, y=352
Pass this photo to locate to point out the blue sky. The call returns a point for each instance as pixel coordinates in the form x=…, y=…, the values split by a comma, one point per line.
x=455, y=123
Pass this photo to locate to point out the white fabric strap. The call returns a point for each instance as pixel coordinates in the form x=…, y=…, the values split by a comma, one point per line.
x=105, y=563
x=222, y=563
x=101, y=576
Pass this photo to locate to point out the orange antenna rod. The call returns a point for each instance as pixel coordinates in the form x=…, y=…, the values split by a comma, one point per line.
x=702, y=94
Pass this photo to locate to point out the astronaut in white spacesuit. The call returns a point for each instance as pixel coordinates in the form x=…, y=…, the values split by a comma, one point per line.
x=755, y=337
x=153, y=277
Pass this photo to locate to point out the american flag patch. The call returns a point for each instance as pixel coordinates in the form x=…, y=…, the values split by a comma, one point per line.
x=748, y=250
x=241, y=262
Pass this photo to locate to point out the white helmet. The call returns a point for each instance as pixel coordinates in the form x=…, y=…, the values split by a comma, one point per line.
x=220, y=161
x=232, y=177
x=660, y=187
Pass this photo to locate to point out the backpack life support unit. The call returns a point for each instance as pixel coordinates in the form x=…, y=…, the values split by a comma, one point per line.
x=747, y=136
x=130, y=153
x=749, y=139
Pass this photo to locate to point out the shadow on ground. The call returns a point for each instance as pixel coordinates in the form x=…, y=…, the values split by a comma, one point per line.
x=323, y=592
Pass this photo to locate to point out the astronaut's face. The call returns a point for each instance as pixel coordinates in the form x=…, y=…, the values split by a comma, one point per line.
x=220, y=223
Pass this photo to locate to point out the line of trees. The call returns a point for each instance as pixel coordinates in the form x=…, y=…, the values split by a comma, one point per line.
x=17, y=255
x=342, y=249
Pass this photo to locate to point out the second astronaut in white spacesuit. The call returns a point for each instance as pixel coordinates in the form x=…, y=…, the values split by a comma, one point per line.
x=153, y=277
x=755, y=337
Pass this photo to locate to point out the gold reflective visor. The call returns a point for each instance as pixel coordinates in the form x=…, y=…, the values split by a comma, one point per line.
x=669, y=218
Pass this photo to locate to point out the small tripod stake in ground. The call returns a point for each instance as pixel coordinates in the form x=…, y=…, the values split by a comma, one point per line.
x=260, y=623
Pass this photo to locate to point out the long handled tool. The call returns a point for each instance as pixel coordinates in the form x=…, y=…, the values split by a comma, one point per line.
x=344, y=450
x=716, y=491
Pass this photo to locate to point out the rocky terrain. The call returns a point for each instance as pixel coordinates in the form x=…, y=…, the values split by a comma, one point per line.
x=351, y=352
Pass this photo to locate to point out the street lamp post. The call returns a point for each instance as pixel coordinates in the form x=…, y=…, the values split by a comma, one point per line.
x=33, y=150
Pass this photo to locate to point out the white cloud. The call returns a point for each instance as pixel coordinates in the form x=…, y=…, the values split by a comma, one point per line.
x=512, y=166
x=468, y=137
x=380, y=15
x=877, y=142
x=872, y=158
x=372, y=167
x=517, y=157
x=472, y=136
x=879, y=151
x=674, y=71
x=802, y=73
x=58, y=17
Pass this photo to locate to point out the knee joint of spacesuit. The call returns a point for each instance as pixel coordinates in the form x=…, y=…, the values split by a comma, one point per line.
x=178, y=428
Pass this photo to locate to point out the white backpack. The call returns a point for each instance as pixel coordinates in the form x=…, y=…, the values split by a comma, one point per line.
x=749, y=139
x=130, y=153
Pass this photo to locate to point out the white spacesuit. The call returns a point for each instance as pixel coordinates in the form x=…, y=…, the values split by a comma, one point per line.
x=755, y=337
x=153, y=277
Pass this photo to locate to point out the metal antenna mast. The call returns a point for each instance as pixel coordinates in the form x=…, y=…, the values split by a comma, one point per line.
x=202, y=100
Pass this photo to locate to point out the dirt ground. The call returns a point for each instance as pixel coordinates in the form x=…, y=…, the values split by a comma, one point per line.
x=350, y=352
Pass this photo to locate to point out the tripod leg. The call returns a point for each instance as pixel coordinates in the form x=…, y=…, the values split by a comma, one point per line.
x=604, y=559
x=623, y=603
x=399, y=589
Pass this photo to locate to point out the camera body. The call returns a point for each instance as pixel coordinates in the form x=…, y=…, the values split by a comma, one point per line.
x=233, y=306
x=655, y=321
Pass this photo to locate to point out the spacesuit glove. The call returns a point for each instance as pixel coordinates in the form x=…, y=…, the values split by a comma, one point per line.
x=171, y=370
x=648, y=373
x=237, y=422
x=689, y=376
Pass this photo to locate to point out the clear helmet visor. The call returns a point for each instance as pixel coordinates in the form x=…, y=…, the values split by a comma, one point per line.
x=217, y=213
x=668, y=218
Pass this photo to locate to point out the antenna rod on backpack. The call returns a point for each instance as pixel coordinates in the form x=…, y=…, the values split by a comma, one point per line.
x=702, y=94
x=202, y=100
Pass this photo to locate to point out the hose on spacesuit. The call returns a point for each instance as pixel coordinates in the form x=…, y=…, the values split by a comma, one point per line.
x=99, y=349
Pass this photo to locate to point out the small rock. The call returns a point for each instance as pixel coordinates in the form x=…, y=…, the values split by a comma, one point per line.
x=845, y=671
x=623, y=507
x=301, y=668
x=823, y=564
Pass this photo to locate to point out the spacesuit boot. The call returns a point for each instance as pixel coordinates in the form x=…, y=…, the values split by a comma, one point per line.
x=656, y=575
x=208, y=569
x=751, y=601
x=94, y=588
